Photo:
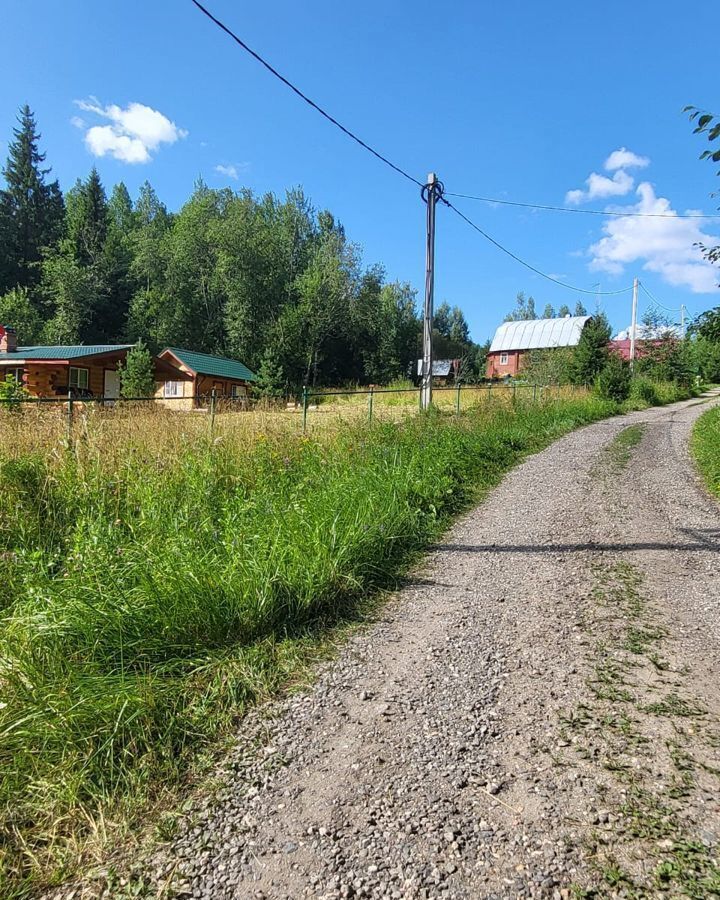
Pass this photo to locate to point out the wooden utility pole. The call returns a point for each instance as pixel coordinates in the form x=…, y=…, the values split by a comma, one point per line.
x=633, y=324
x=430, y=194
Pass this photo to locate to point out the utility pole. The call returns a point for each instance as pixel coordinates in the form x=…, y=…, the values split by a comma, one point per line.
x=633, y=325
x=682, y=320
x=430, y=193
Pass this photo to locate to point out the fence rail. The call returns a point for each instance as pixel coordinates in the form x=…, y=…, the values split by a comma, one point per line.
x=310, y=400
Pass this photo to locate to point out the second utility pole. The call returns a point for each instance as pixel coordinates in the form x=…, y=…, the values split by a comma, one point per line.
x=430, y=194
x=633, y=324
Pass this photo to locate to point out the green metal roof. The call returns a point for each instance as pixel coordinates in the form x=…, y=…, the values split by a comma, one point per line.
x=76, y=351
x=219, y=366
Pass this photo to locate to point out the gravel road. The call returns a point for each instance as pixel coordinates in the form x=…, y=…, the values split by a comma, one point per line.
x=432, y=758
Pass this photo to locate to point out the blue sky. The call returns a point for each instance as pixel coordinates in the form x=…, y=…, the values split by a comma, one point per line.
x=515, y=100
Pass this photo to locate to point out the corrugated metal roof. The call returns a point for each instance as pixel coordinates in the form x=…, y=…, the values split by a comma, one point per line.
x=440, y=367
x=61, y=351
x=537, y=334
x=219, y=366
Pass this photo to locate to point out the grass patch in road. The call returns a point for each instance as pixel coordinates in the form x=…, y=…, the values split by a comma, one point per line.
x=705, y=448
x=616, y=456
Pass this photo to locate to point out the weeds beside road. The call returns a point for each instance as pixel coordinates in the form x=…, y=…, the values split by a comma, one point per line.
x=706, y=448
x=151, y=590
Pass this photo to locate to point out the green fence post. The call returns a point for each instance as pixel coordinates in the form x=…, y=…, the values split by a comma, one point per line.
x=457, y=400
x=534, y=393
x=213, y=398
x=370, y=403
x=70, y=421
x=305, y=407
x=514, y=391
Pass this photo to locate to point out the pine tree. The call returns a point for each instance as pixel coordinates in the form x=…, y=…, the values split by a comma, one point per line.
x=564, y=311
x=137, y=376
x=271, y=378
x=548, y=312
x=31, y=211
x=459, y=330
x=580, y=309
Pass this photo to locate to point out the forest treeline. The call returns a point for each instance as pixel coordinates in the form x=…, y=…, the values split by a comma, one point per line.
x=269, y=281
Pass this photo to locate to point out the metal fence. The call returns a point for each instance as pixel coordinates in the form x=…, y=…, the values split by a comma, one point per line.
x=376, y=400
x=456, y=393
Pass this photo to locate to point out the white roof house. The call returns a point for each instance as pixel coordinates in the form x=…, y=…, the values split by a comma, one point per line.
x=538, y=334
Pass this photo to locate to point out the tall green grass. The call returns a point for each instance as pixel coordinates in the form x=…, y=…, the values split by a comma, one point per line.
x=705, y=446
x=146, y=599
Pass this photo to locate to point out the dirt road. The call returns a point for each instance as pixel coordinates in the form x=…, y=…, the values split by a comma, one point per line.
x=535, y=716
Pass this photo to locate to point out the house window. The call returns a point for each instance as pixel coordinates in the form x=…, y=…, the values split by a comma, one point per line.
x=17, y=374
x=78, y=378
x=173, y=389
x=237, y=390
x=503, y=359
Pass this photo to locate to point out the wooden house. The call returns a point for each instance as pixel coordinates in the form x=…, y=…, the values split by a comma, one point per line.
x=197, y=375
x=87, y=371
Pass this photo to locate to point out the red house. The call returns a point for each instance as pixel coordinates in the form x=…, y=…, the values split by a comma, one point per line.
x=514, y=340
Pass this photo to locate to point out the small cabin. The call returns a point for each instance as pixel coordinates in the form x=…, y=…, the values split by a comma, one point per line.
x=444, y=371
x=197, y=375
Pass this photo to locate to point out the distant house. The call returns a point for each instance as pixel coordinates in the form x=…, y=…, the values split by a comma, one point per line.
x=196, y=375
x=51, y=371
x=514, y=340
x=92, y=371
x=444, y=371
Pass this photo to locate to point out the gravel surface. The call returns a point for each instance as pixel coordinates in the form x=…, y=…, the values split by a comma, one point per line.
x=428, y=759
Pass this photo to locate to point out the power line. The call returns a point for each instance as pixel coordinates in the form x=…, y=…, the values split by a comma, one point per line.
x=527, y=264
x=590, y=212
x=307, y=99
x=657, y=302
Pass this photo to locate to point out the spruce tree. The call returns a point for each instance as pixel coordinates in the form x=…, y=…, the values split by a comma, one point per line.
x=137, y=376
x=87, y=219
x=592, y=351
x=31, y=211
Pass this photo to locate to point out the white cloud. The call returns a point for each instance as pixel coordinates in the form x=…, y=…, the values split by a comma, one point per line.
x=135, y=132
x=625, y=159
x=77, y=122
x=232, y=170
x=601, y=186
x=664, y=245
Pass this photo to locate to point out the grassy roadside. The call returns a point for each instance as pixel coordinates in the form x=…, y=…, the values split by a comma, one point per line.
x=705, y=447
x=148, y=598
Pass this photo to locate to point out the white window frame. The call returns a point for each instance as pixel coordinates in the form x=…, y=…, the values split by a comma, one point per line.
x=77, y=375
x=18, y=374
x=504, y=358
x=237, y=391
x=173, y=389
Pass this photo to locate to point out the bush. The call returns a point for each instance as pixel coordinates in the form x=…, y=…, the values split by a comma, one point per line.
x=11, y=392
x=613, y=383
x=644, y=391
